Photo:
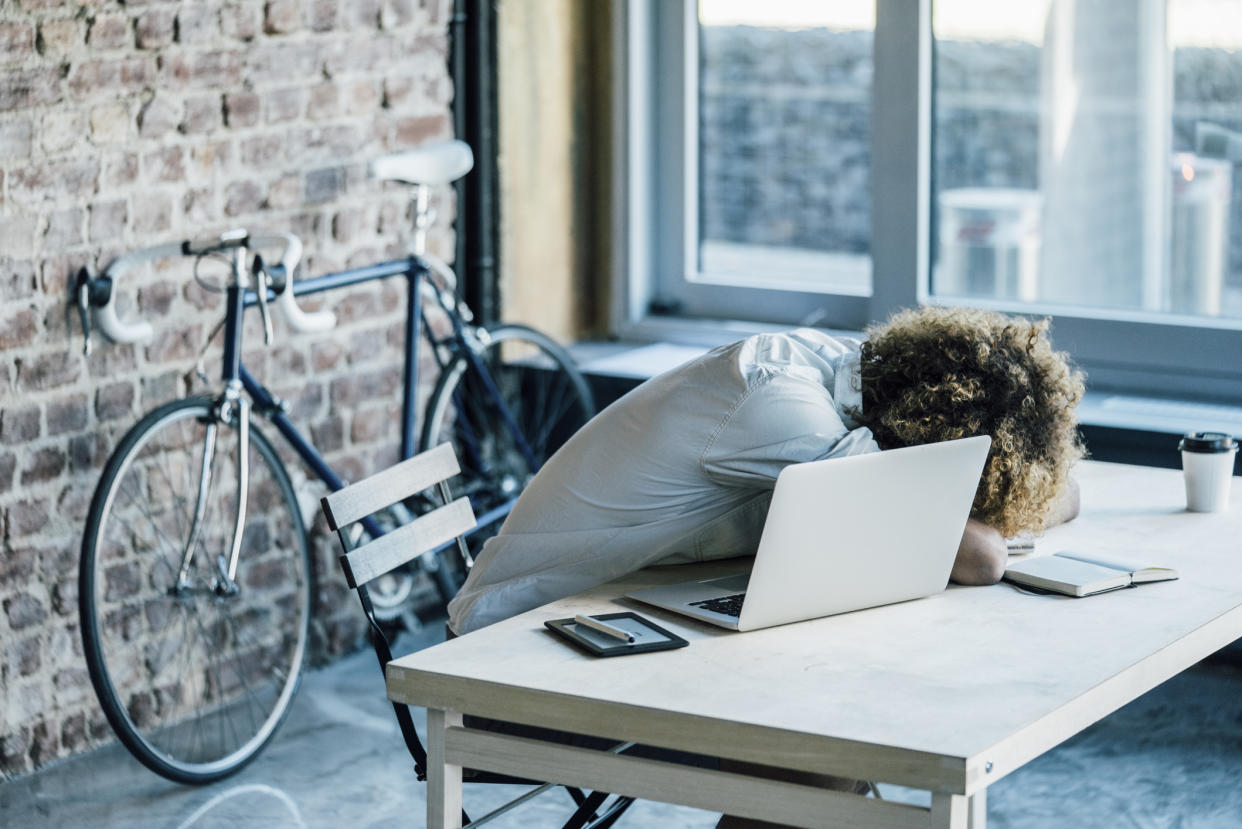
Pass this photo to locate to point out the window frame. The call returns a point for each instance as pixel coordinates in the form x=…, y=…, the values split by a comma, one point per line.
x=1120, y=350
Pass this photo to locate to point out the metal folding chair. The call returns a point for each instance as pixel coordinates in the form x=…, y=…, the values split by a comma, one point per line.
x=377, y=556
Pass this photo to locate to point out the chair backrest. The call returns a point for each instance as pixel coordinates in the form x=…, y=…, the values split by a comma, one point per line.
x=405, y=543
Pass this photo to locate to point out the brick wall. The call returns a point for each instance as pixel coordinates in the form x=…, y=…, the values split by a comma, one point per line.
x=130, y=124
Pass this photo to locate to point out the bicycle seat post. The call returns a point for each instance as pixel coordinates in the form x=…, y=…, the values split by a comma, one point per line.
x=424, y=215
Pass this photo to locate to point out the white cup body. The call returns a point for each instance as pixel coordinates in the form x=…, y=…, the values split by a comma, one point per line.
x=1208, y=476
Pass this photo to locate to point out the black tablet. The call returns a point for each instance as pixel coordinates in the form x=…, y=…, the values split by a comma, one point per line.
x=648, y=636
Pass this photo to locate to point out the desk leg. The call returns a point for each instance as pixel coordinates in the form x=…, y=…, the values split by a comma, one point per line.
x=949, y=811
x=443, y=780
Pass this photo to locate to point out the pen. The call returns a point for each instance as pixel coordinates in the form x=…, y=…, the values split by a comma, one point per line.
x=605, y=628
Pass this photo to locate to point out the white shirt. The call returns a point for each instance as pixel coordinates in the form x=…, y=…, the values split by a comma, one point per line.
x=681, y=469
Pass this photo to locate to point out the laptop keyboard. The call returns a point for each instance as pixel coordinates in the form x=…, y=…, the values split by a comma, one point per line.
x=727, y=605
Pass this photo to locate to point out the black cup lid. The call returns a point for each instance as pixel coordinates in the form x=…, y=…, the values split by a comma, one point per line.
x=1208, y=442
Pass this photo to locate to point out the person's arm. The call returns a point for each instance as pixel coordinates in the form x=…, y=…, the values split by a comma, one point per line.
x=1066, y=508
x=981, y=556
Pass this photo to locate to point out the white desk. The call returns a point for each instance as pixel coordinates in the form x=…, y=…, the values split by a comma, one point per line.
x=947, y=694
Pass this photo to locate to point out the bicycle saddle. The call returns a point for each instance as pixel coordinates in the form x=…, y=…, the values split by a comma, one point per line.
x=437, y=163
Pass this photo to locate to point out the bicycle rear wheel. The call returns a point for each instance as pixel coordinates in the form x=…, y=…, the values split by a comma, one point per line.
x=542, y=389
x=193, y=680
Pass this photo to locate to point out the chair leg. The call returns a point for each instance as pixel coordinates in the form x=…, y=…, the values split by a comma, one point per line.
x=586, y=811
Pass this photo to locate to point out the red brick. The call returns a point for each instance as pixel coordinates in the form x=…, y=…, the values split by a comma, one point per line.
x=197, y=23
x=410, y=132
x=19, y=329
x=16, y=138
x=361, y=96
x=176, y=343
x=284, y=104
x=114, y=400
x=115, y=76
x=19, y=425
x=241, y=109
x=155, y=28
x=25, y=517
x=68, y=415
x=107, y=220
x=167, y=164
x=152, y=213
x=202, y=114
x=242, y=197
x=364, y=386
x=87, y=452
x=43, y=465
x=156, y=299
x=109, y=31
x=29, y=87
x=262, y=151
x=64, y=178
x=282, y=16
x=16, y=40
x=329, y=435
x=323, y=15
x=369, y=425
x=241, y=21
x=217, y=69
x=59, y=37
x=324, y=355
x=17, y=238
x=46, y=371
x=159, y=116
x=64, y=229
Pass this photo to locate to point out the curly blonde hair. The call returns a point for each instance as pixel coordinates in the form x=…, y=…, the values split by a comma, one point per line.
x=937, y=374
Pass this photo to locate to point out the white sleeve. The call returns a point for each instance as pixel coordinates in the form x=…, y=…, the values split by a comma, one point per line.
x=784, y=419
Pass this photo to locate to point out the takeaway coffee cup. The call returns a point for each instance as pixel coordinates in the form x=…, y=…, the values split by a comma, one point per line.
x=1207, y=464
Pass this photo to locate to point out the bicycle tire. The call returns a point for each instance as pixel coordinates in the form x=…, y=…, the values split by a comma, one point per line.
x=529, y=368
x=194, y=683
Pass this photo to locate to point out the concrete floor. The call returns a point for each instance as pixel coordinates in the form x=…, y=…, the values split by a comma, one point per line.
x=1170, y=759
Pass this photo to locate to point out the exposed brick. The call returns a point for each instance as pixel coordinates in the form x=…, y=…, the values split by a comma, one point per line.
x=8, y=465
x=361, y=96
x=19, y=329
x=110, y=123
x=285, y=192
x=156, y=299
x=25, y=517
x=16, y=39
x=109, y=31
x=59, y=37
x=115, y=77
x=202, y=114
x=64, y=229
x=15, y=749
x=60, y=130
x=363, y=13
x=329, y=435
x=207, y=159
x=284, y=104
x=43, y=465
x=73, y=732
x=87, y=452
x=347, y=224
x=241, y=21
x=241, y=109
x=65, y=178
x=24, y=656
x=396, y=13
x=47, y=371
x=152, y=213
x=160, y=388
x=16, y=138
x=324, y=101
x=369, y=425
x=114, y=400
x=325, y=355
x=119, y=170
x=107, y=220
x=282, y=16
x=242, y=197
x=158, y=116
x=155, y=28
x=44, y=742
x=324, y=185
x=216, y=69
x=19, y=424
x=363, y=386
x=410, y=132
x=68, y=415
x=17, y=238
x=322, y=15
x=262, y=150
x=281, y=61
x=29, y=87
x=167, y=164
x=179, y=343
x=398, y=91
x=197, y=23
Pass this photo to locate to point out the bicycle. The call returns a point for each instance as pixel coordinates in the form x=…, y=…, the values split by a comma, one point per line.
x=195, y=581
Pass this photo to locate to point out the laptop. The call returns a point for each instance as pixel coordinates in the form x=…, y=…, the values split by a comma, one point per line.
x=845, y=534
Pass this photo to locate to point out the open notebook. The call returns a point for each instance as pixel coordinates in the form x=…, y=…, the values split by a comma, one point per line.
x=1080, y=574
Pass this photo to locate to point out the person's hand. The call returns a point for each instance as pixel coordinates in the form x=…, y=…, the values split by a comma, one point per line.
x=981, y=557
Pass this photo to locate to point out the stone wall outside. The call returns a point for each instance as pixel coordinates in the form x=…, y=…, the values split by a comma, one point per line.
x=129, y=124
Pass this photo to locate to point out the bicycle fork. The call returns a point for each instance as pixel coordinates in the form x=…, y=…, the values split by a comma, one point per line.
x=226, y=569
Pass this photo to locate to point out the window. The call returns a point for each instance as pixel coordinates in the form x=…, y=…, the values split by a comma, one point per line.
x=827, y=163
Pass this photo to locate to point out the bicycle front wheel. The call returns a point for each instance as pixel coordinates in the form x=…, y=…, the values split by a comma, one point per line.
x=193, y=677
x=539, y=386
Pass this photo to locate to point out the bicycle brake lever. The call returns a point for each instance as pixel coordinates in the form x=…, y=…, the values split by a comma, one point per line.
x=83, y=287
x=260, y=289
